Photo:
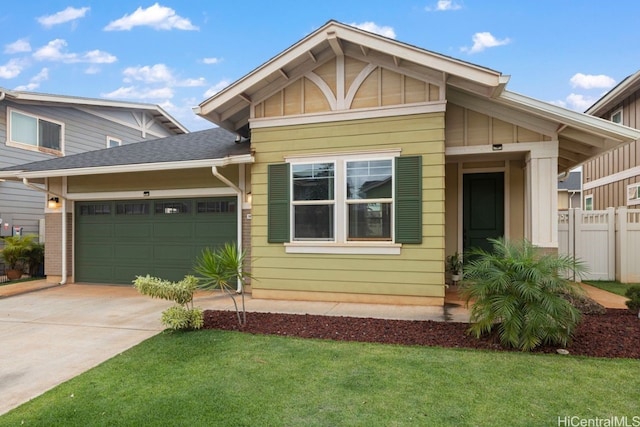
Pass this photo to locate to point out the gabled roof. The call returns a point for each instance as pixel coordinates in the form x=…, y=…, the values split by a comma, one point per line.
x=211, y=147
x=156, y=111
x=229, y=108
x=572, y=182
x=616, y=95
x=471, y=86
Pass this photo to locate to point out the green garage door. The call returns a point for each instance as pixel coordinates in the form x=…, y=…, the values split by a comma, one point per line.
x=118, y=240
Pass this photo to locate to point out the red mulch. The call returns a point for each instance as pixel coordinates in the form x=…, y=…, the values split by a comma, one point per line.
x=614, y=334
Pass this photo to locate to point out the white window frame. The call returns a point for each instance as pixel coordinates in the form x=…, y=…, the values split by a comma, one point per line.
x=30, y=147
x=340, y=244
x=633, y=194
x=588, y=198
x=111, y=138
x=616, y=112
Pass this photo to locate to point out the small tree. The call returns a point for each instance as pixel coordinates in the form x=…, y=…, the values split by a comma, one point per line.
x=633, y=293
x=222, y=269
x=16, y=249
x=181, y=316
x=518, y=289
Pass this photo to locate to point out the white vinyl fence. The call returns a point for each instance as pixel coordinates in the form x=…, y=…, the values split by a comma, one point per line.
x=607, y=241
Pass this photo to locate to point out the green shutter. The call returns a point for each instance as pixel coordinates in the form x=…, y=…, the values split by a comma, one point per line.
x=278, y=199
x=408, y=199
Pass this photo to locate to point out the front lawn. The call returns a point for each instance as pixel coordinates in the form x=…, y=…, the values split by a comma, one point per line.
x=611, y=286
x=216, y=378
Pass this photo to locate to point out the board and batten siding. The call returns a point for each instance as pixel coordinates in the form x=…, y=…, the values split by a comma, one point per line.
x=415, y=276
x=622, y=158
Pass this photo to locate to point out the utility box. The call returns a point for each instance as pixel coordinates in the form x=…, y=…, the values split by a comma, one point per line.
x=17, y=231
x=6, y=225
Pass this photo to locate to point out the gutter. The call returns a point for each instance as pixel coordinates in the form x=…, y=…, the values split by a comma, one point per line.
x=238, y=191
x=26, y=182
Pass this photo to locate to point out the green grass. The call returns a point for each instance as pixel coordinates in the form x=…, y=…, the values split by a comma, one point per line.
x=211, y=378
x=611, y=286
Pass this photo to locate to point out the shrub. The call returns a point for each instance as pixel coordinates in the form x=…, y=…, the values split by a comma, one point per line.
x=518, y=290
x=222, y=269
x=633, y=293
x=181, y=316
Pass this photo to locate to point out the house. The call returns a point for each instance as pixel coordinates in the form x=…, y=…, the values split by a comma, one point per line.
x=570, y=190
x=36, y=126
x=613, y=178
x=350, y=165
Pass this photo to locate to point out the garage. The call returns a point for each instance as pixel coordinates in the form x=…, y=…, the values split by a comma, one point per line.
x=120, y=239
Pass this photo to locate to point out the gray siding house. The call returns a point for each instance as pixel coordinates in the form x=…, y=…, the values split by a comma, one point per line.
x=35, y=126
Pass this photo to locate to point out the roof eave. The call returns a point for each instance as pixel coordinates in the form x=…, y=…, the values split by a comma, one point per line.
x=136, y=167
x=614, y=96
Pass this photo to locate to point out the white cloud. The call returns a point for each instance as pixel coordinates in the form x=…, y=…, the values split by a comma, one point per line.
x=484, y=40
x=92, y=69
x=18, y=46
x=156, y=16
x=154, y=74
x=200, y=81
x=590, y=81
x=444, y=5
x=67, y=15
x=372, y=27
x=579, y=102
x=216, y=88
x=34, y=83
x=55, y=51
x=11, y=69
x=133, y=92
x=212, y=60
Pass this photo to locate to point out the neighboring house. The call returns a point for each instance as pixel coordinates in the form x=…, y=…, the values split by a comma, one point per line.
x=613, y=179
x=354, y=166
x=36, y=126
x=570, y=191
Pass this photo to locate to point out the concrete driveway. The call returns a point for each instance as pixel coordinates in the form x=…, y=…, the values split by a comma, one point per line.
x=52, y=335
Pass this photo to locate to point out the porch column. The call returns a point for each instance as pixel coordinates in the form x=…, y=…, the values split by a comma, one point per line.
x=541, y=198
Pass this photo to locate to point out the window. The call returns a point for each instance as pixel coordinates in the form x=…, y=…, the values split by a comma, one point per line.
x=172, y=207
x=216, y=207
x=96, y=209
x=113, y=142
x=313, y=201
x=633, y=194
x=588, y=202
x=616, y=116
x=132, y=208
x=31, y=131
x=345, y=202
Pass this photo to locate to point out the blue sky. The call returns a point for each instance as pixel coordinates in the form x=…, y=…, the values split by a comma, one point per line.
x=177, y=53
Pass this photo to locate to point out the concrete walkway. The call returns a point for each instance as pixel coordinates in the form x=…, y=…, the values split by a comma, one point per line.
x=49, y=334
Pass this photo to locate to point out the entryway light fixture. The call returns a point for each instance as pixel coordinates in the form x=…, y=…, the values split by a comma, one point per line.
x=53, y=203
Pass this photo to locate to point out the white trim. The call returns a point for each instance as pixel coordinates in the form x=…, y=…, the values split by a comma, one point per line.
x=588, y=197
x=351, y=155
x=138, y=167
x=636, y=200
x=324, y=88
x=182, y=193
x=537, y=149
x=334, y=248
x=111, y=138
x=38, y=148
x=610, y=179
x=140, y=128
x=617, y=111
x=364, y=113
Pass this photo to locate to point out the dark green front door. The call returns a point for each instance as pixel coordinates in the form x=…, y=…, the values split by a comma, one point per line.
x=118, y=240
x=483, y=209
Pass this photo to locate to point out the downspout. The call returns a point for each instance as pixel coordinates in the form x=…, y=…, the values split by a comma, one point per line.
x=238, y=191
x=26, y=182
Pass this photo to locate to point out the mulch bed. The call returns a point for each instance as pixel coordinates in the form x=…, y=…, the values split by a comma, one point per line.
x=613, y=334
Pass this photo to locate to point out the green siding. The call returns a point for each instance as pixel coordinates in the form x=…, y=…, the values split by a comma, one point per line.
x=278, y=215
x=408, y=208
x=113, y=248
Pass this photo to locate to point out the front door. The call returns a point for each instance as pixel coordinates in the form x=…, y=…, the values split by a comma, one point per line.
x=483, y=209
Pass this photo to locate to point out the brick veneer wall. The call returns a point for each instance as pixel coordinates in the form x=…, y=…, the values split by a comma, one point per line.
x=53, y=246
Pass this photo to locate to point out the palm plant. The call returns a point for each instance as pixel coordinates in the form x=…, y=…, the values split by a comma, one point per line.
x=518, y=289
x=16, y=249
x=222, y=269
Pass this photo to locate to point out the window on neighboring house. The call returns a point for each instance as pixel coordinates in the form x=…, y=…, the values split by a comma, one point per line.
x=633, y=194
x=345, y=201
x=588, y=202
x=616, y=116
x=34, y=132
x=113, y=142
